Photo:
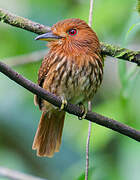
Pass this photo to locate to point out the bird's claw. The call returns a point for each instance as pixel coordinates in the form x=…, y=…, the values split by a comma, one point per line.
x=64, y=103
x=84, y=111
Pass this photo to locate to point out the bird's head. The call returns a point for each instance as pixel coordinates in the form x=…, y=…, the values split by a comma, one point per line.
x=71, y=35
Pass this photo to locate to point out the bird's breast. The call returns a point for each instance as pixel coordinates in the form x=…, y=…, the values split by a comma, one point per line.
x=77, y=81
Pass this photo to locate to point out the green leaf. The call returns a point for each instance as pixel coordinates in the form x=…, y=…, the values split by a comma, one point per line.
x=130, y=29
x=82, y=176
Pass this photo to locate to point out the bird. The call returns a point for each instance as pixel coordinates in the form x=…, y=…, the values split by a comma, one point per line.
x=72, y=70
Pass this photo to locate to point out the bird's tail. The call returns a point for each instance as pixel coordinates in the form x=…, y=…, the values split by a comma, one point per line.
x=47, y=140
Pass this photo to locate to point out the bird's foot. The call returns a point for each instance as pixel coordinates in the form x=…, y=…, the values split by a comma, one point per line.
x=64, y=103
x=84, y=111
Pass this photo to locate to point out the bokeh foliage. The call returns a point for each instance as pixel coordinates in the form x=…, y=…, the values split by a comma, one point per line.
x=112, y=156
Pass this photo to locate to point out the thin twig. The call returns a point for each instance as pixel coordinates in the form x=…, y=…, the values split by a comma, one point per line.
x=15, y=175
x=107, y=49
x=70, y=108
x=90, y=13
x=89, y=105
x=88, y=143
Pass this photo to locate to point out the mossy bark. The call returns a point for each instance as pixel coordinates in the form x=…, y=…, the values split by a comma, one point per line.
x=21, y=22
x=121, y=53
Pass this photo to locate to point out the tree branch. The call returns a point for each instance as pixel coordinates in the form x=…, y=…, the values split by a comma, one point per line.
x=120, y=53
x=15, y=175
x=107, y=49
x=70, y=108
x=21, y=22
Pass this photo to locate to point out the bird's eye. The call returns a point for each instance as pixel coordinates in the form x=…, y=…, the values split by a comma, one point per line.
x=72, y=32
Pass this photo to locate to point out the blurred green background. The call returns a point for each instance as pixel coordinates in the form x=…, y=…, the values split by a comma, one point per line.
x=112, y=156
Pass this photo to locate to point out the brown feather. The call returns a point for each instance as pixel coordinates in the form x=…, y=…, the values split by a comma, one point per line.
x=47, y=140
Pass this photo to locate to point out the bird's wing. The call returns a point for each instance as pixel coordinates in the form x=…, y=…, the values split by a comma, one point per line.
x=44, y=69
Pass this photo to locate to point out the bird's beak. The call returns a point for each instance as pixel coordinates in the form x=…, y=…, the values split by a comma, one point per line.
x=49, y=36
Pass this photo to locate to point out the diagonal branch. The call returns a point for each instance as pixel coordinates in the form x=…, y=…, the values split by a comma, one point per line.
x=70, y=108
x=107, y=49
x=21, y=22
x=15, y=175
